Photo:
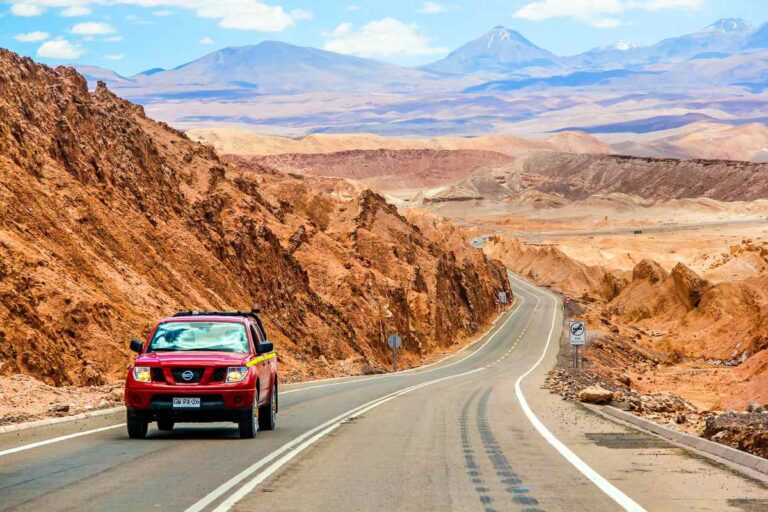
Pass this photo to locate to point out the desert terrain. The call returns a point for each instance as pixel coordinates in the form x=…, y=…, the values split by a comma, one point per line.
x=654, y=219
x=666, y=259
x=111, y=221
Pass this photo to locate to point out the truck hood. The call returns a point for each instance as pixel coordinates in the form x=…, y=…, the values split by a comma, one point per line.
x=192, y=358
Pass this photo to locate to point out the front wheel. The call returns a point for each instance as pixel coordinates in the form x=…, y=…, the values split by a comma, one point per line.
x=268, y=413
x=137, y=426
x=248, y=425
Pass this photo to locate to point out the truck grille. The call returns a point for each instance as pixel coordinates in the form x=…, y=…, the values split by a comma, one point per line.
x=219, y=374
x=157, y=375
x=195, y=373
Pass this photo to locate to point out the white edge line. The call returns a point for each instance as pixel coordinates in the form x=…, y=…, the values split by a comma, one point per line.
x=56, y=440
x=300, y=443
x=604, y=485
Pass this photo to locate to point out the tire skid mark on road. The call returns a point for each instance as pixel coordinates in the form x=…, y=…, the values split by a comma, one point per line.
x=273, y=462
x=510, y=480
x=474, y=472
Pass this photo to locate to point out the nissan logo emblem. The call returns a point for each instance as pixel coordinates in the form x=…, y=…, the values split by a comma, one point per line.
x=188, y=375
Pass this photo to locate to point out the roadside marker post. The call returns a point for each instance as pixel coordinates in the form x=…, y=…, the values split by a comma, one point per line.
x=577, y=336
x=394, y=340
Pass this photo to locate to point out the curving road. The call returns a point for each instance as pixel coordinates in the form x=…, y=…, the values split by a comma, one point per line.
x=472, y=432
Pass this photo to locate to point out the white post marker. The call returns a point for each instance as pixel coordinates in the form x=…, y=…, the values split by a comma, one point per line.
x=394, y=340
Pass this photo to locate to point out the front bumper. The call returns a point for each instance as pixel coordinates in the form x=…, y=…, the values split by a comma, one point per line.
x=217, y=403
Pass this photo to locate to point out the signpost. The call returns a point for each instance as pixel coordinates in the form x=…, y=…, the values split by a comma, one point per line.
x=577, y=336
x=394, y=340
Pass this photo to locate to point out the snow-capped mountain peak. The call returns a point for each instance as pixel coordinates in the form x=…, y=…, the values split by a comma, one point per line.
x=729, y=25
x=497, y=51
x=623, y=46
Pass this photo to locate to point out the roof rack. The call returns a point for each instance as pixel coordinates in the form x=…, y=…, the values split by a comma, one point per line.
x=252, y=313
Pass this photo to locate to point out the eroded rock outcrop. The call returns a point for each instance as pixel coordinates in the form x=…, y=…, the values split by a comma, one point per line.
x=109, y=220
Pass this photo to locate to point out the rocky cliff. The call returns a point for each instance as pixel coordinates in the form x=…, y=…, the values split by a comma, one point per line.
x=109, y=220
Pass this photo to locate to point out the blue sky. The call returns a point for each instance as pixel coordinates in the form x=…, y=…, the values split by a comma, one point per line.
x=133, y=35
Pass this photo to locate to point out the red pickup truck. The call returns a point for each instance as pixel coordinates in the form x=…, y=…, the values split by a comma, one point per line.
x=203, y=366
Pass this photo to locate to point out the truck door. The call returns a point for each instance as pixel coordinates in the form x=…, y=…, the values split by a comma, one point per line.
x=263, y=367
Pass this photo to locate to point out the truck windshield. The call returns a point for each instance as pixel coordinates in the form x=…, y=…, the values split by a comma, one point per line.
x=188, y=336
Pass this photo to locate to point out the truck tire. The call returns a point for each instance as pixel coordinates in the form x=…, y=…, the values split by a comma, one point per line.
x=248, y=425
x=137, y=426
x=165, y=424
x=268, y=412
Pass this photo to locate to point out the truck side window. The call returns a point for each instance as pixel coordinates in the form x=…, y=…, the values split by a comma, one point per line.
x=255, y=335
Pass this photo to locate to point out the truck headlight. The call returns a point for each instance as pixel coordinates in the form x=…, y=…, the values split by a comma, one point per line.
x=236, y=373
x=141, y=374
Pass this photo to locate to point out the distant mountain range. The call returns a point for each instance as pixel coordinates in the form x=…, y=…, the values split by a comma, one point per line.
x=724, y=37
x=500, y=81
x=268, y=67
x=500, y=54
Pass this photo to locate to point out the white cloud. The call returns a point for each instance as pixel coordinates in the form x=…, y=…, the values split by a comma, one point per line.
x=60, y=49
x=248, y=15
x=32, y=37
x=656, y=5
x=92, y=28
x=232, y=14
x=598, y=13
x=114, y=56
x=301, y=14
x=206, y=41
x=75, y=11
x=164, y=12
x=26, y=10
x=112, y=39
x=354, y=7
x=382, y=38
x=433, y=8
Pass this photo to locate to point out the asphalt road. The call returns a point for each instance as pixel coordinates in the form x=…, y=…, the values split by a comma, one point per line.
x=473, y=432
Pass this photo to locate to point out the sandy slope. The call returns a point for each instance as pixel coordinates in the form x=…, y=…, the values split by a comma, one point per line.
x=704, y=140
x=241, y=142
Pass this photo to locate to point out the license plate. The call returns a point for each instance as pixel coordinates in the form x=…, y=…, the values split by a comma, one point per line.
x=186, y=402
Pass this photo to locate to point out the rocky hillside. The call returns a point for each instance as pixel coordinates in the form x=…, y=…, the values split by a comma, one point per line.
x=577, y=176
x=676, y=315
x=548, y=265
x=387, y=169
x=109, y=220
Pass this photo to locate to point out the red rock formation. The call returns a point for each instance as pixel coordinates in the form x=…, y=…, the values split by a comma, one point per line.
x=109, y=220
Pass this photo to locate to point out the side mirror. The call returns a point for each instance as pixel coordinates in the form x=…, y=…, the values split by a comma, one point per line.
x=136, y=346
x=265, y=347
